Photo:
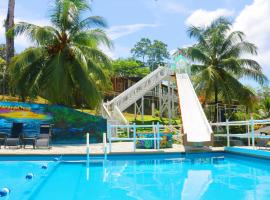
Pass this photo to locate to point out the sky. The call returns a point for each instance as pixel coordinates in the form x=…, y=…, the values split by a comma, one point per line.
x=165, y=20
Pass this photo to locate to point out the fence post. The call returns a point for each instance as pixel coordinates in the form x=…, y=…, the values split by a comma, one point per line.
x=134, y=137
x=228, y=132
x=87, y=146
x=110, y=137
x=154, y=134
x=252, y=132
x=105, y=145
x=87, y=156
x=248, y=132
x=158, y=136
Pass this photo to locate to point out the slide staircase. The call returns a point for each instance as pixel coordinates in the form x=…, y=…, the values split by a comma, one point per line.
x=112, y=110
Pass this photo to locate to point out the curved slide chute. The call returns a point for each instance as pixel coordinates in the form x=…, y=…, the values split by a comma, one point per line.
x=195, y=124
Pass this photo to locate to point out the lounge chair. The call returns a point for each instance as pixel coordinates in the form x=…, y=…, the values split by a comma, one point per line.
x=14, y=139
x=262, y=143
x=3, y=137
x=28, y=140
x=44, y=137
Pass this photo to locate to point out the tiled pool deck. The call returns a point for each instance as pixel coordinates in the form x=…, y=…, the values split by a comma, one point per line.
x=117, y=148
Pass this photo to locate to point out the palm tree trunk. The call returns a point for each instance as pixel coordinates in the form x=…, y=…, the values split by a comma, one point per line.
x=9, y=24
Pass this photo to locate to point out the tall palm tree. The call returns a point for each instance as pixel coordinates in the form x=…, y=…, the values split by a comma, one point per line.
x=9, y=23
x=219, y=63
x=65, y=63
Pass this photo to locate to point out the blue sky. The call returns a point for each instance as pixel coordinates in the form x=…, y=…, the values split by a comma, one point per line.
x=165, y=20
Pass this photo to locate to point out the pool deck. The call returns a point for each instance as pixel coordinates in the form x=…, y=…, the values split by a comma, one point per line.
x=97, y=149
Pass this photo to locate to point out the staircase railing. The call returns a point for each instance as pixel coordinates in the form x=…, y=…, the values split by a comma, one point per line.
x=119, y=115
x=138, y=90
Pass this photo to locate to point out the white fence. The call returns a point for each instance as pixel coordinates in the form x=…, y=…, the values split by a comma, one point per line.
x=250, y=135
x=131, y=132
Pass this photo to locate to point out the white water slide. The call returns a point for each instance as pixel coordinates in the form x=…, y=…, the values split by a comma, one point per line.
x=195, y=123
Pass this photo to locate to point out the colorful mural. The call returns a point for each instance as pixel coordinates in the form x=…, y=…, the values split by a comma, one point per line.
x=166, y=141
x=68, y=124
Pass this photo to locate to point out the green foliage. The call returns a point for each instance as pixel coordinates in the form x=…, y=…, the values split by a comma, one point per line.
x=3, y=51
x=152, y=54
x=129, y=68
x=218, y=63
x=142, y=49
x=65, y=64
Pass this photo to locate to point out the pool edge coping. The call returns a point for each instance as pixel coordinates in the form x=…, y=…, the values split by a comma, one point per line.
x=248, y=152
x=112, y=153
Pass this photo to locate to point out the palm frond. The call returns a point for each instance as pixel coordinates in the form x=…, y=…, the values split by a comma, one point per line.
x=40, y=35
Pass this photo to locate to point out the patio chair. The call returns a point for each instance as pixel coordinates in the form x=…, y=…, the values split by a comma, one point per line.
x=31, y=140
x=44, y=137
x=3, y=137
x=14, y=139
x=262, y=143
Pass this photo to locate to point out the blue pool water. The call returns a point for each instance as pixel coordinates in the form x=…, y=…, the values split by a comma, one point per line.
x=179, y=176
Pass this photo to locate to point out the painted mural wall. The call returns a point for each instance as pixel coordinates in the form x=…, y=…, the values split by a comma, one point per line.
x=69, y=125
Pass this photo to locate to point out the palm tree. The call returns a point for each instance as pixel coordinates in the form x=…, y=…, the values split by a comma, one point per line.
x=218, y=63
x=65, y=63
x=9, y=23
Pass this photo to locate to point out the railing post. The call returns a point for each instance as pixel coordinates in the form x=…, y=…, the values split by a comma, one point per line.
x=110, y=137
x=248, y=132
x=105, y=145
x=158, y=136
x=252, y=132
x=154, y=134
x=87, y=147
x=87, y=156
x=228, y=132
x=134, y=137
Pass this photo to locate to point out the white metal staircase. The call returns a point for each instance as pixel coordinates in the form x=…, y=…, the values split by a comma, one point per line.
x=112, y=110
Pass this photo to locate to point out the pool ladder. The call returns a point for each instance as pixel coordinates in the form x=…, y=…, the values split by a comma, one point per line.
x=105, y=147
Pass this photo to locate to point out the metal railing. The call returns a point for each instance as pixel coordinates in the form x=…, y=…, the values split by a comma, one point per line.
x=251, y=135
x=113, y=108
x=155, y=129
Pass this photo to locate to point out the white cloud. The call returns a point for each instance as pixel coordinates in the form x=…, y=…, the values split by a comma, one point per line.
x=21, y=41
x=202, y=17
x=116, y=32
x=254, y=22
x=174, y=7
x=167, y=7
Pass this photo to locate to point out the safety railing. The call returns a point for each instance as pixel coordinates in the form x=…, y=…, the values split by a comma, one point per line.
x=133, y=131
x=251, y=134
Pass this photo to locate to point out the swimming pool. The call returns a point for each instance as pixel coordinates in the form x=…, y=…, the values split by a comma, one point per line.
x=146, y=177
